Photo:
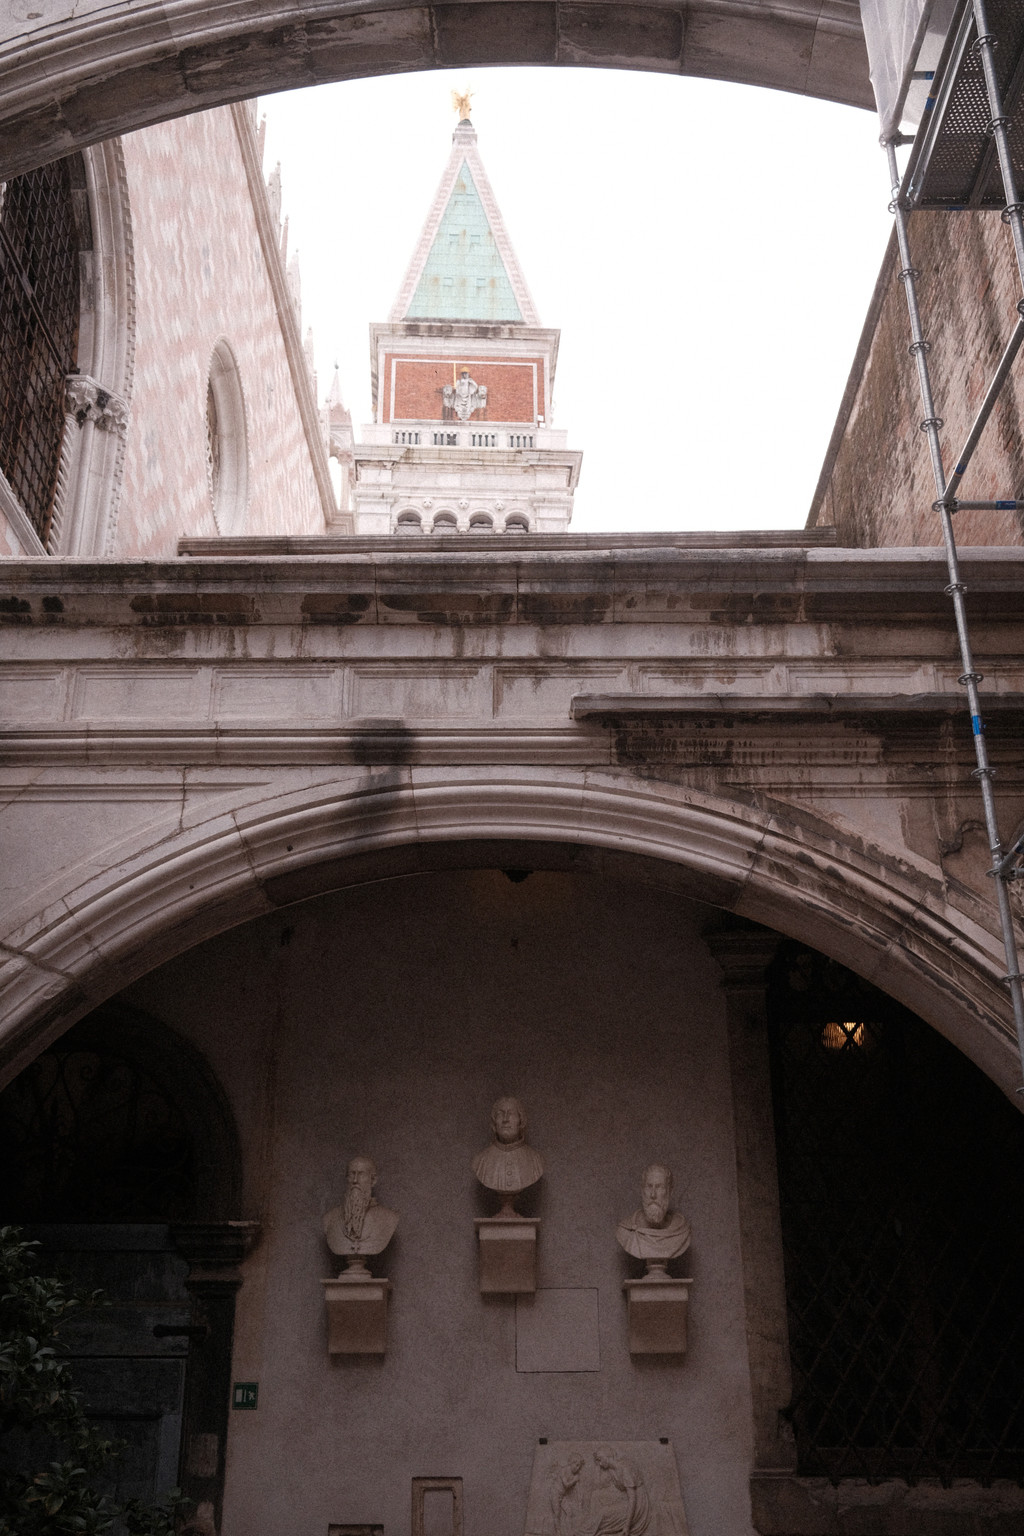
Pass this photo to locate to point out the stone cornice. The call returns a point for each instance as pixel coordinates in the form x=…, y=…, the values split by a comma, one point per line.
x=492, y=583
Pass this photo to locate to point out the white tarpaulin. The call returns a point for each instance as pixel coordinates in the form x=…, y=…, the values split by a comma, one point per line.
x=903, y=37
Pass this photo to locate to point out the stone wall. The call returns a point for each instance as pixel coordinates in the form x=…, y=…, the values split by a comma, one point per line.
x=201, y=276
x=877, y=486
x=385, y=1020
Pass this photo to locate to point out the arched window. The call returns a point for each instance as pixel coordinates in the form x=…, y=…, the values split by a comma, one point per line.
x=118, y=1121
x=445, y=522
x=480, y=522
x=40, y=284
x=227, y=451
x=516, y=524
x=409, y=522
x=901, y=1187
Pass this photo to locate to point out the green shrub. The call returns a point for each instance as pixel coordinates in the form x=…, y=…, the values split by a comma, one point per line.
x=37, y=1396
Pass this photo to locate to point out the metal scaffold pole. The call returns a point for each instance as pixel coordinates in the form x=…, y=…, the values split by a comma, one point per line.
x=946, y=503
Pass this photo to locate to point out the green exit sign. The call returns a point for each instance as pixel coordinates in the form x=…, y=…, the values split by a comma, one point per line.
x=244, y=1394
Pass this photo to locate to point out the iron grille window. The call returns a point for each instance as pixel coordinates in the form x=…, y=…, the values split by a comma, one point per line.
x=901, y=1185
x=39, y=309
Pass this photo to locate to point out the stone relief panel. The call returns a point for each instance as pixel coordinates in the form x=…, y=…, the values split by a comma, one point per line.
x=601, y=1488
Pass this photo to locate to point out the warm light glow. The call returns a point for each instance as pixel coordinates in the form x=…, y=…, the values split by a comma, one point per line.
x=835, y=1036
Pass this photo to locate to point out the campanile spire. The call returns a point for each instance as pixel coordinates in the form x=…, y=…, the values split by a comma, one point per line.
x=463, y=373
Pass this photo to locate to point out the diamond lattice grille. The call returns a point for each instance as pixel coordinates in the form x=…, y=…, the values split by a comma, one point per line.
x=901, y=1173
x=39, y=306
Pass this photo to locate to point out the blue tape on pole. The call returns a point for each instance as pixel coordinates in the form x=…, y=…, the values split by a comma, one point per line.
x=978, y=724
x=960, y=469
x=1006, y=506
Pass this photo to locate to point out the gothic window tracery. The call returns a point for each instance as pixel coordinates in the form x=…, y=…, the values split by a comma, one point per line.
x=116, y=1122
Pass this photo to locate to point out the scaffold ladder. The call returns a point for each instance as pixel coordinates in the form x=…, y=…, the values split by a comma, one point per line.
x=946, y=505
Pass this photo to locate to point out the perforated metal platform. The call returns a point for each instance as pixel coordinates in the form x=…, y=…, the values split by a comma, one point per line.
x=953, y=160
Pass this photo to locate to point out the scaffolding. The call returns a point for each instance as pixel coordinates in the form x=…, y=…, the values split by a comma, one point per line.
x=958, y=70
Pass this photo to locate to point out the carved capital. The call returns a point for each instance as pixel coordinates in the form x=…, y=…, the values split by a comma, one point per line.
x=216, y=1246
x=744, y=956
x=87, y=400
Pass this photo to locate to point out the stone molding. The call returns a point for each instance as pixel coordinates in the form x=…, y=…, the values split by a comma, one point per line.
x=87, y=400
x=175, y=882
x=99, y=396
x=12, y=509
x=134, y=64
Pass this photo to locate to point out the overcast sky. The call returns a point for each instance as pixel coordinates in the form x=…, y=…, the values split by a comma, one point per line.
x=707, y=250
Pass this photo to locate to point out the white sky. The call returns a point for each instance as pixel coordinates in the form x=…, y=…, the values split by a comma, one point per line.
x=708, y=251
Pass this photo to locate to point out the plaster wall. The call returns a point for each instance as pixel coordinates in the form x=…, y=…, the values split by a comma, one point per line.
x=201, y=276
x=385, y=1020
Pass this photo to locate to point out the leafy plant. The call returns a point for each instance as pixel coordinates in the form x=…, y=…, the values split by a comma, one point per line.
x=38, y=1397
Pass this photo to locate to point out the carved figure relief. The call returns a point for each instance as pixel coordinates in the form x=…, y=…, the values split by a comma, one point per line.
x=360, y=1225
x=465, y=396
x=593, y=1489
x=655, y=1232
x=567, y=1504
x=508, y=1165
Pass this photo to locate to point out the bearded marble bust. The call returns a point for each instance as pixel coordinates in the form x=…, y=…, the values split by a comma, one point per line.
x=360, y=1225
x=508, y=1165
x=655, y=1232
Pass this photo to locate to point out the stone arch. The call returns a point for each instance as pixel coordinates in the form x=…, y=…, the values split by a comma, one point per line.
x=161, y=893
x=76, y=80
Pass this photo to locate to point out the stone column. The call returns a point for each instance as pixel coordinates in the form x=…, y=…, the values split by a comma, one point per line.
x=214, y=1251
x=744, y=957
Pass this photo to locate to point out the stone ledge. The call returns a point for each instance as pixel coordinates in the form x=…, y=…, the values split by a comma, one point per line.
x=419, y=543
x=785, y=1505
x=588, y=706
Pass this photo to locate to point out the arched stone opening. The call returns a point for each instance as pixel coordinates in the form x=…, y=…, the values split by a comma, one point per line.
x=381, y=1017
x=77, y=81
x=885, y=920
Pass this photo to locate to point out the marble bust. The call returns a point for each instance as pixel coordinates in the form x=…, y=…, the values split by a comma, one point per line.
x=655, y=1232
x=508, y=1165
x=359, y=1226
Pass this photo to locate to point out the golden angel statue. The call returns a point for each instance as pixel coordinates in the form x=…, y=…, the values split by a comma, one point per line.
x=460, y=104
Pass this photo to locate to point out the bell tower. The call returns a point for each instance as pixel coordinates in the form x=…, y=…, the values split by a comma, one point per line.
x=463, y=372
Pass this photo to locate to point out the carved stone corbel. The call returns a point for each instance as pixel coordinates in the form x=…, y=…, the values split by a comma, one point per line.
x=87, y=400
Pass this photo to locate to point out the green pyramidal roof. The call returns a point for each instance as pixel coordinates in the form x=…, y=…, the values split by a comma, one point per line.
x=464, y=277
